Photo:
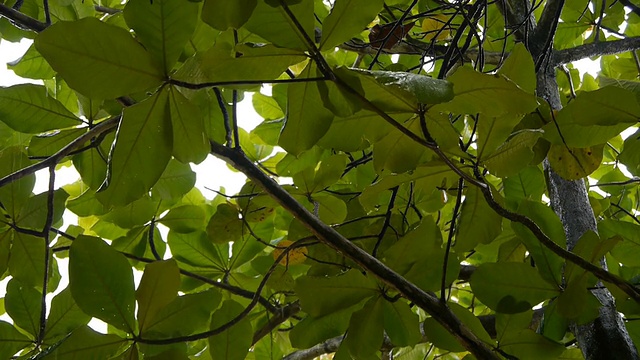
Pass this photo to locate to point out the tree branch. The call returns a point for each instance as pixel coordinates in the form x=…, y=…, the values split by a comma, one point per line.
x=329, y=236
x=101, y=128
x=595, y=49
x=21, y=20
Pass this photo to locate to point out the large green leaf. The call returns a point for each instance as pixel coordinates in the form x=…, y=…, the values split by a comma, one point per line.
x=101, y=281
x=235, y=341
x=163, y=26
x=320, y=296
x=26, y=262
x=492, y=132
x=48, y=144
x=223, y=14
x=274, y=25
x=35, y=213
x=244, y=63
x=625, y=251
x=510, y=287
x=475, y=210
x=630, y=154
x=184, y=219
x=23, y=303
x=32, y=65
x=347, y=18
x=158, y=287
x=313, y=330
x=526, y=344
x=520, y=69
x=65, y=316
x=185, y=315
x=99, y=60
x=12, y=340
x=190, y=143
x=401, y=323
x=307, y=119
x=176, y=181
x=548, y=263
x=366, y=329
x=27, y=108
x=513, y=155
x=396, y=152
x=13, y=196
x=443, y=339
x=491, y=95
x=141, y=153
x=196, y=249
x=85, y=343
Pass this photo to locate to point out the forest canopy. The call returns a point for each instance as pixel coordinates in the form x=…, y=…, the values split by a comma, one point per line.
x=431, y=179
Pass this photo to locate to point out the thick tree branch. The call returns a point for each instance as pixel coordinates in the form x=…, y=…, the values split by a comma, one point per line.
x=595, y=49
x=21, y=20
x=328, y=235
x=103, y=127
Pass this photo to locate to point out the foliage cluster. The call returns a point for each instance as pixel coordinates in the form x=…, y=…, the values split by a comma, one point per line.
x=416, y=221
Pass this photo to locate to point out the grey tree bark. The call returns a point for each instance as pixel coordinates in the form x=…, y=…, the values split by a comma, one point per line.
x=606, y=337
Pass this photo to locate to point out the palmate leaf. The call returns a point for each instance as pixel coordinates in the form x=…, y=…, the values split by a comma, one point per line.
x=99, y=60
x=141, y=153
x=163, y=26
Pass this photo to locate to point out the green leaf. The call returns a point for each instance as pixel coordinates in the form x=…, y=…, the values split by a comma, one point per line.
x=225, y=225
x=35, y=212
x=397, y=153
x=355, y=132
x=85, y=343
x=548, y=263
x=526, y=345
x=92, y=165
x=630, y=155
x=424, y=89
x=23, y=303
x=99, y=60
x=190, y=143
x=313, y=330
x=48, y=144
x=625, y=250
x=443, y=339
x=141, y=153
x=594, y=117
x=274, y=25
x=65, y=316
x=520, y=69
x=101, y=282
x=307, y=119
x=234, y=342
x=346, y=20
x=12, y=340
x=267, y=107
x=197, y=250
x=26, y=262
x=327, y=172
x=510, y=287
x=528, y=184
x=513, y=155
x=391, y=98
x=492, y=95
x=492, y=132
x=184, y=219
x=158, y=287
x=176, y=181
x=366, y=329
x=27, y=108
x=244, y=63
x=32, y=65
x=320, y=296
x=184, y=316
x=419, y=257
x=137, y=213
x=13, y=196
x=401, y=323
x=163, y=27
x=475, y=210
x=222, y=14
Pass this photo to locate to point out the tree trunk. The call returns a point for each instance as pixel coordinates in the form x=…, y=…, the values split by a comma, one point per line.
x=606, y=337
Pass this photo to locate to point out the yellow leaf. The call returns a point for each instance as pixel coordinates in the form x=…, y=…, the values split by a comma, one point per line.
x=574, y=163
x=436, y=27
x=293, y=257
